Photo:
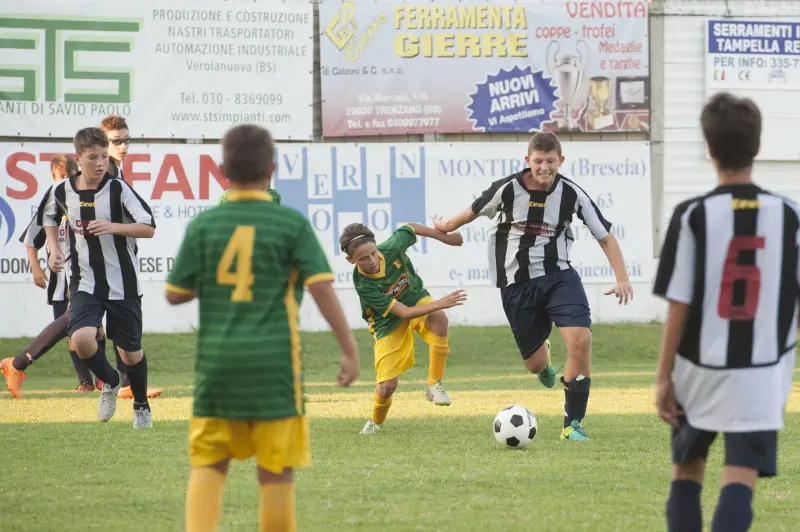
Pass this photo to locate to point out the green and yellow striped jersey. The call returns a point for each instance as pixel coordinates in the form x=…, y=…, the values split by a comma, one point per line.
x=395, y=281
x=248, y=261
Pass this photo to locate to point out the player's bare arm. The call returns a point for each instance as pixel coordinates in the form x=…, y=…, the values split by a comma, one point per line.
x=453, y=299
x=178, y=296
x=331, y=310
x=623, y=289
x=665, y=389
x=463, y=218
x=56, y=262
x=105, y=227
x=39, y=276
x=451, y=239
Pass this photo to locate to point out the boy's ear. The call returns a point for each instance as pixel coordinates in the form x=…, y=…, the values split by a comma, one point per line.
x=350, y=259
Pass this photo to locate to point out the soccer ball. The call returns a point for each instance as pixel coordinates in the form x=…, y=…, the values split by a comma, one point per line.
x=515, y=427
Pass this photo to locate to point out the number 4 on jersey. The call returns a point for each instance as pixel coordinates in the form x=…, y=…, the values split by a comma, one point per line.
x=749, y=273
x=240, y=249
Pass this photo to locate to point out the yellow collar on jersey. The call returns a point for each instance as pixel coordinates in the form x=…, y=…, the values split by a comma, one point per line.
x=381, y=271
x=240, y=195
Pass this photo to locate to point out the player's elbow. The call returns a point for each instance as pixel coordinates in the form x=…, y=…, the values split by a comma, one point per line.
x=148, y=232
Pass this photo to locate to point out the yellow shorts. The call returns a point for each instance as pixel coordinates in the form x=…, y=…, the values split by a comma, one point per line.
x=276, y=445
x=394, y=353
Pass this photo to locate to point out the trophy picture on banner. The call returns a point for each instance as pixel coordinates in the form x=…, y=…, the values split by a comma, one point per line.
x=567, y=71
x=599, y=92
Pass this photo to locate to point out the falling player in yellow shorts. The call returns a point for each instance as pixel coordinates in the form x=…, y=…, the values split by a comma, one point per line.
x=248, y=262
x=395, y=303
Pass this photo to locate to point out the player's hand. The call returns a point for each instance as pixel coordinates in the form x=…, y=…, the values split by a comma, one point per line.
x=439, y=223
x=348, y=370
x=666, y=404
x=101, y=227
x=56, y=261
x=453, y=239
x=453, y=299
x=623, y=290
x=40, y=278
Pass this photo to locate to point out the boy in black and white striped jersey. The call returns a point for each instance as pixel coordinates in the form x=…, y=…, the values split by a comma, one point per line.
x=62, y=166
x=729, y=270
x=529, y=245
x=105, y=216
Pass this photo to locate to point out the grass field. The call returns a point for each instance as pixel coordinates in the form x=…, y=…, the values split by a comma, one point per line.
x=431, y=469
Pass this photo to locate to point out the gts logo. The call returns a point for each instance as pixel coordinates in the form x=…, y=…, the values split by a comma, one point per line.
x=87, y=204
x=534, y=204
x=739, y=204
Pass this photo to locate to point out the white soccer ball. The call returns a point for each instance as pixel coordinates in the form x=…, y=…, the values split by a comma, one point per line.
x=515, y=427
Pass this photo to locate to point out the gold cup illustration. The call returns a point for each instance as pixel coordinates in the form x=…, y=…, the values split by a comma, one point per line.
x=599, y=91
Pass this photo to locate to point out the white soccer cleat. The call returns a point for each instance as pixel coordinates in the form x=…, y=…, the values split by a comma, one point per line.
x=108, y=400
x=142, y=418
x=437, y=395
x=371, y=428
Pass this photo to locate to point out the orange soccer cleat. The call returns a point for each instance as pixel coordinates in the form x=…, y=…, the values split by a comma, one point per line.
x=14, y=377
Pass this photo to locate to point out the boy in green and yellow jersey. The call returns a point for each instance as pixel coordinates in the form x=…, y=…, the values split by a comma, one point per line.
x=395, y=303
x=248, y=262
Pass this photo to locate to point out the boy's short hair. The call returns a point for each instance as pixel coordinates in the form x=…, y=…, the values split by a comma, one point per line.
x=732, y=130
x=248, y=153
x=353, y=236
x=113, y=123
x=65, y=163
x=544, y=141
x=88, y=137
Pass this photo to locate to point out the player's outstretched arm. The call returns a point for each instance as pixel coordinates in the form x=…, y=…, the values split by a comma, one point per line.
x=453, y=299
x=623, y=289
x=451, y=224
x=328, y=304
x=451, y=239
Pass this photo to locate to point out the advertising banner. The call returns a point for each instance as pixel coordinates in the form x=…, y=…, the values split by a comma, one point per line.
x=182, y=69
x=380, y=185
x=395, y=68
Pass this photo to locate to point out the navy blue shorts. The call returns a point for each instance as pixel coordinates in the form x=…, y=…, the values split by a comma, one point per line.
x=754, y=450
x=533, y=306
x=124, y=321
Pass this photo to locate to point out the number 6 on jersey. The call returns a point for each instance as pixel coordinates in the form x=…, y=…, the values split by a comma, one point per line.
x=239, y=248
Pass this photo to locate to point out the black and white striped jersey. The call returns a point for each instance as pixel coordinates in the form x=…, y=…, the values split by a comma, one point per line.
x=732, y=257
x=34, y=236
x=105, y=266
x=531, y=235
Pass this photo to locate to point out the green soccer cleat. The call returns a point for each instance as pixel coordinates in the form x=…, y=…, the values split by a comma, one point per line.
x=574, y=432
x=548, y=376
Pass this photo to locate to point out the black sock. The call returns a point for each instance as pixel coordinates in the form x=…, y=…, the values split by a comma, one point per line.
x=734, y=510
x=50, y=336
x=683, y=507
x=100, y=367
x=576, y=397
x=138, y=377
x=122, y=367
x=141, y=406
x=81, y=370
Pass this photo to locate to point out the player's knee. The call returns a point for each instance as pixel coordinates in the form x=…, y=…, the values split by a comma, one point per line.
x=130, y=357
x=268, y=477
x=83, y=340
x=438, y=323
x=537, y=362
x=387, y=388
x=694, y=470
x=580, y=343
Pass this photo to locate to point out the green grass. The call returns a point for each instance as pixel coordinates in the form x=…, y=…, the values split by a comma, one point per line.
x=431, y=469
